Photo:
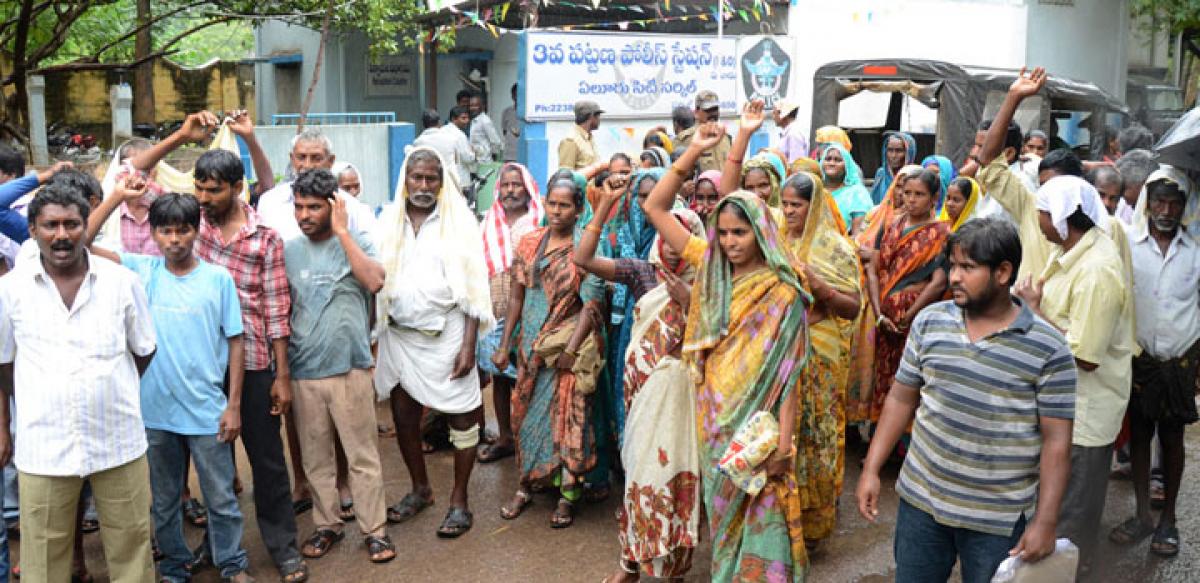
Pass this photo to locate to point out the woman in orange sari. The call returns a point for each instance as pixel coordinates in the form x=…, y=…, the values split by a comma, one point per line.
x=905, y=277
x=861, y=384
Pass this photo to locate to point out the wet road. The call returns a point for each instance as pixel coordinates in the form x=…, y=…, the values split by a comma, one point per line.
x=527, y=549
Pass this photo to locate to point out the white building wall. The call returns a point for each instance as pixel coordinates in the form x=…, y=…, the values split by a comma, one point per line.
x=1087, y=40
x=989, y=33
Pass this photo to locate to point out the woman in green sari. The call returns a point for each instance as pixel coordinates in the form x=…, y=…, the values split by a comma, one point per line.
x=559, y=351
x=746, y=345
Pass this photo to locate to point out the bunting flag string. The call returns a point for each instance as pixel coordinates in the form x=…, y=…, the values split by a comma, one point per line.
x=492, y=17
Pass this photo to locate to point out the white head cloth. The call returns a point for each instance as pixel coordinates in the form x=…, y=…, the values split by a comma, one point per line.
x=1191, y=207
x=1061, y=196
x=465, y=268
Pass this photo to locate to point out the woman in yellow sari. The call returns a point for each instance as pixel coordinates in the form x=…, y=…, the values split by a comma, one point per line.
x=746, y=347
x=829, y=262
x=961, y=197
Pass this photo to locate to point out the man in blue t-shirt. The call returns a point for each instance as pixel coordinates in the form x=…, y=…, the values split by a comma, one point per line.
x=198, y=321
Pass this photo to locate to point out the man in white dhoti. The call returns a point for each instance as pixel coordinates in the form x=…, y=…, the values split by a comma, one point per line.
x=434, y=304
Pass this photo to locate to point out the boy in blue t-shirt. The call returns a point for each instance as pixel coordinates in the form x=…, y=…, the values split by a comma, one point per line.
x=199, y=324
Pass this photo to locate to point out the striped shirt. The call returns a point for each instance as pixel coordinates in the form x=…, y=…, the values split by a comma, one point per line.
x=976, y=442
x=78, y=395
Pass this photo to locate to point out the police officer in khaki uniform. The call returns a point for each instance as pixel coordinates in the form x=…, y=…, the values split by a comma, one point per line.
x=578, y=150
x=708, y=108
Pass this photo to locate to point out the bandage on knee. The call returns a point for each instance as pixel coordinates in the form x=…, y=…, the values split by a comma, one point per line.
x=465, y=439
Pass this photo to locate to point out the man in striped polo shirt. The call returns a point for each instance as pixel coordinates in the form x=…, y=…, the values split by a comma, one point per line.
x=992, y=387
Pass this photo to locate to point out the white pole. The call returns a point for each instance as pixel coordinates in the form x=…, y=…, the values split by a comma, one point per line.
x=720, y=19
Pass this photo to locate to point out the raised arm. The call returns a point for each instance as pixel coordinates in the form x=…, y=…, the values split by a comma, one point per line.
x=242, y=126
x=196, y=127
x=131, y=188
x=731, y=173
x=367, y=271
x=585, y=255
x=1023, y=87
x=658, y=205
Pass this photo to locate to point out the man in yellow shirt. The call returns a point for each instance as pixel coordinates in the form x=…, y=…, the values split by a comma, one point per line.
x=578, y=150
x=1083, y=291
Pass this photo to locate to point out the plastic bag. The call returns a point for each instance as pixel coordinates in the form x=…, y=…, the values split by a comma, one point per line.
x=1059, y=567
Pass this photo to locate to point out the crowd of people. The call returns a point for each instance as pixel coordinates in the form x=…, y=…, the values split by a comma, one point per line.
x=700, y=329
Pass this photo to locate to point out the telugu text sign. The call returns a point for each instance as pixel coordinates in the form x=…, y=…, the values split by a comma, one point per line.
x=629, y=75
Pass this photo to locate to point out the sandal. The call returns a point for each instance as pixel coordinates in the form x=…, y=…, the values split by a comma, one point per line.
x=408, y=506
x=564, y=514
x=1130, y=532
x=1166, y=541
x=488, y=436
x=89, y=525
x=457, y=522
x=381, y=548
x=293, y=571
x=491, y=452
x=597, y=493
x=194, y=512
x=346, y=511
x=523, y=499
x=302, y=505
x=321, y=542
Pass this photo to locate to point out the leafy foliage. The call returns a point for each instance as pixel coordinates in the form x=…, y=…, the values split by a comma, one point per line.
x=1180, y=15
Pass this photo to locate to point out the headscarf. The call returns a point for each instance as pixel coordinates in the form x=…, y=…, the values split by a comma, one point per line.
x=804, y=165
x=946, y=174
x=712, y=294
x=340, y=167
x=464, y=265
x=661, y=157
x=886, y=213
x=695, y=225
x=772, y=167
x=883, y=176
x=1191, y=209
x=1061, y=196
x=498, y=244
x=851, y=197
x=832, y=135
x=780, y=168
x=667, y=144
x=635, y=233
x=713, y=176
x=968, y=209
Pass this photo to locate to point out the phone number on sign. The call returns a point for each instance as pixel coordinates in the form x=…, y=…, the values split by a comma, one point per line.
x=554, y=108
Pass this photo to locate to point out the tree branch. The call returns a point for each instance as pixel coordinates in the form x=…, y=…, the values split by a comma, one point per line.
x=316, y=67
x=87, y=66
x=175, y=39
x=132, y=33
x=59, y=36
x=10, y=24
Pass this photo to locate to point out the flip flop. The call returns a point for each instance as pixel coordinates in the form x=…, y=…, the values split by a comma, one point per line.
x=1130, y=532
x=380, y=548
x=293, y=571
x=302, y=505
x=457, y=522
x=321, y=541
x=491, y=453
x=408, y=506
x=195, y=513
x=560, y=519
x=346, y=511
x=1165, y=542
x=524, y=499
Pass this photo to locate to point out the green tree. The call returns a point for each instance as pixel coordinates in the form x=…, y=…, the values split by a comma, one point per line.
x=42, y=35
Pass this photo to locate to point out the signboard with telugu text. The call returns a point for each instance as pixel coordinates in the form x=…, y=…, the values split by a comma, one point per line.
x=628, y=75
x=391, y=76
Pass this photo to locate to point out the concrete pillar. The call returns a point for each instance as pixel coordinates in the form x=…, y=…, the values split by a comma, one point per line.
x=120, y=99
x=35, y=86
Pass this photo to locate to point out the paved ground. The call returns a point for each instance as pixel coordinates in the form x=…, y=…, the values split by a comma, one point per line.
x=527, y=549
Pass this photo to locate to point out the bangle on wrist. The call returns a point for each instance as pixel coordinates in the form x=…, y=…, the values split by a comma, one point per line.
x=732, y=160
x=680, y=172
x=593, y=228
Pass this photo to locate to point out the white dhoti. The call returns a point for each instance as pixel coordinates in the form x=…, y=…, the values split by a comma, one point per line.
x=421, y=363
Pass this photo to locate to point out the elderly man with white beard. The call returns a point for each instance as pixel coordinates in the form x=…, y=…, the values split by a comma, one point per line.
x=434, y=304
